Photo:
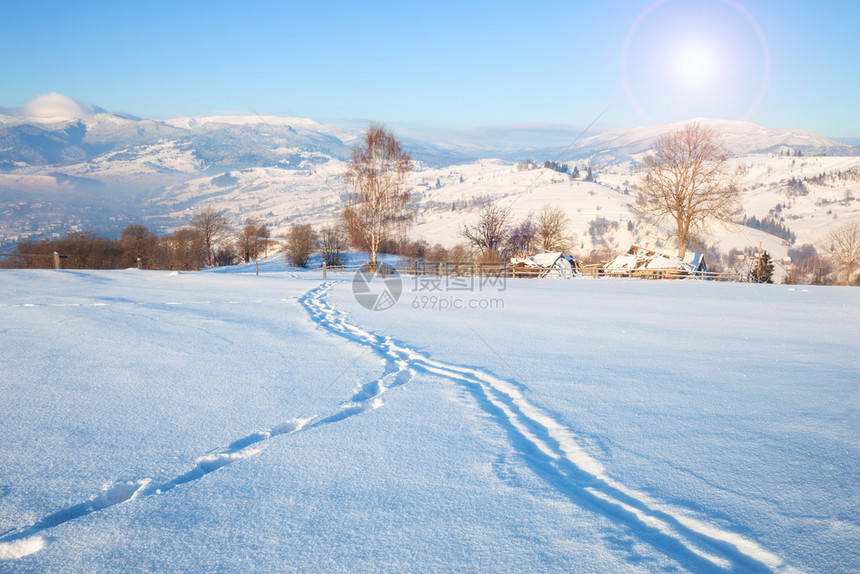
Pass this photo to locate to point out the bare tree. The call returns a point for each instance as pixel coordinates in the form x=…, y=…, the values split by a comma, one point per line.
x=491, y=230
x=183, y=250
x=253, y=238
x=138, y=242
x=522, y=238
x=301, y=244
x=843, y=247
x=376, y=207
x=333, y=244
x=458, y=253
x=23, y=255
x=687, y=181
x=552, y=229
x=86, y=250
x=213, y=227
x=225, y=254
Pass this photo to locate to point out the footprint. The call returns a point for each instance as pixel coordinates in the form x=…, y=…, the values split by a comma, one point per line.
x=118, y=493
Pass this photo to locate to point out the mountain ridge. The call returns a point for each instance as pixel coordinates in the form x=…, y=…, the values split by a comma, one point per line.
x=107, y=170
x=39, y=141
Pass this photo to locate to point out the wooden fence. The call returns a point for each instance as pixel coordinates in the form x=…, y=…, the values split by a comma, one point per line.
x=56, y=256
x=468, y=269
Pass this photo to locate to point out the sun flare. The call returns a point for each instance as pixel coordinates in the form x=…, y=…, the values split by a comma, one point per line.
x=695, y=58
x=696, y=65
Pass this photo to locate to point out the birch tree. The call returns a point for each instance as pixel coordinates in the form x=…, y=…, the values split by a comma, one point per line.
x=377, y=203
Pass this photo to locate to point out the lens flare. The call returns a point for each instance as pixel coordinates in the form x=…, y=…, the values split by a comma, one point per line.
x=690, y=67
x=696, y=66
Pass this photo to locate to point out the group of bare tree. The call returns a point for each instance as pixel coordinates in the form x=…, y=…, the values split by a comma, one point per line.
x=687, y=182
x=332, y=243
x=222, y=245
x=210, y=240
x=137, y=247
x=496, y=237
x=207, y=240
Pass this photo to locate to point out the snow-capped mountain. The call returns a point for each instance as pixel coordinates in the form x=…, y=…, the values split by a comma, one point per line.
x=741, y=138
x=103, y=171
x=221, y=142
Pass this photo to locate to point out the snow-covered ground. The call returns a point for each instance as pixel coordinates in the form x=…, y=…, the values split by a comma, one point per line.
x=155, y=421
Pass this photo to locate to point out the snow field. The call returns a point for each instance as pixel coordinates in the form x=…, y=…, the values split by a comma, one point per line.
x=222, y=421
x=724, y=402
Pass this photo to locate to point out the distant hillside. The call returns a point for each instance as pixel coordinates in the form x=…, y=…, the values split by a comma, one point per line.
x=741, y=138
x=105, y=171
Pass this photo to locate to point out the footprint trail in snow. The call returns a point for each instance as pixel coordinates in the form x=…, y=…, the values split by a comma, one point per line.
x=549, y=447
x=28, y=540
x=25, y=541
x=552, y=451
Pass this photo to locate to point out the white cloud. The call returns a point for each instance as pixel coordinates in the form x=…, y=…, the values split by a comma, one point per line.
x=55, y=106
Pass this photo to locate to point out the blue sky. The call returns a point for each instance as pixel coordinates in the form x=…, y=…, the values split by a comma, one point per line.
x=436, y=66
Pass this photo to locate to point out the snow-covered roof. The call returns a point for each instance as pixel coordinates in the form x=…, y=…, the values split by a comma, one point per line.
x=556, y=264
x=639, y=259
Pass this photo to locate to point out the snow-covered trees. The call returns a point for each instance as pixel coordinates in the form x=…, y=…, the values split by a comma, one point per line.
x=687, y=182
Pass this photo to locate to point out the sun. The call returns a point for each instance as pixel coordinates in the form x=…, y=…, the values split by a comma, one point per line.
x=695, y=65
x=695, y=58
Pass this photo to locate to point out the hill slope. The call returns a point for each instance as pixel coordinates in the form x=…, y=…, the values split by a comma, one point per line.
x=105, y=171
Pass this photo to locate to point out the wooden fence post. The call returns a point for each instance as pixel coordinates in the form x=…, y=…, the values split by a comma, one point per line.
x=56, y=260
x=325, y=273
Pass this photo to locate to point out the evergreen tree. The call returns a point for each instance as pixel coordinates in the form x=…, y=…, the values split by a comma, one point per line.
x=761, y=271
